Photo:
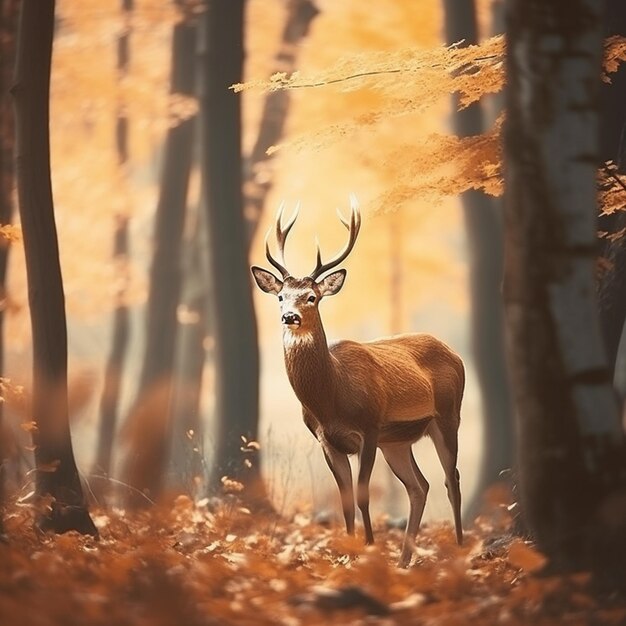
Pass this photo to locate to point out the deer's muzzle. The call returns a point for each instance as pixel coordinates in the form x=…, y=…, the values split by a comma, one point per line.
x=291, y=319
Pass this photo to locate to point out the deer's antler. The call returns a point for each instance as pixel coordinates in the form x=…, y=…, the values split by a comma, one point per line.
x=281, y=237
x=353, y=226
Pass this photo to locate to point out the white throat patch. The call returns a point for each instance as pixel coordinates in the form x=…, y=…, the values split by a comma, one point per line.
x=292, y=339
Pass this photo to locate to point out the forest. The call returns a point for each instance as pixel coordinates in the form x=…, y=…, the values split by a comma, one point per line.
x=441, y=441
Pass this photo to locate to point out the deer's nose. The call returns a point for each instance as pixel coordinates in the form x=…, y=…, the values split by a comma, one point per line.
x=291, y=319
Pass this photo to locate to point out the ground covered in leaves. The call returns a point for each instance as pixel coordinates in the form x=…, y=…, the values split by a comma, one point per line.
x=217, y=564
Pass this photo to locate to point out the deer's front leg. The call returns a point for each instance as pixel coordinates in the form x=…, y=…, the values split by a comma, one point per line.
x=366, y=464
x=340, y=467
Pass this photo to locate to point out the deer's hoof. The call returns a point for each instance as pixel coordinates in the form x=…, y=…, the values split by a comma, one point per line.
x=405, y=559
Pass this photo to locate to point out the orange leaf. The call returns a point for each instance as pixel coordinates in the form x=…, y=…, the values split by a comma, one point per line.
x=525, y=557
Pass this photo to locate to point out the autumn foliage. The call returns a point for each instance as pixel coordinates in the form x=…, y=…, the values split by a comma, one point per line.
x=442, y=165
x=214, y=563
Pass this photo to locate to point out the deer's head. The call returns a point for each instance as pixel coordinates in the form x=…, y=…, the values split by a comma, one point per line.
x=299, y=298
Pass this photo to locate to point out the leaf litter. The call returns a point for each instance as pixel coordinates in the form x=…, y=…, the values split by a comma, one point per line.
x=215, y=563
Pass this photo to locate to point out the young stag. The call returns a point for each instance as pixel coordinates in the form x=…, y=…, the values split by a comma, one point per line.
x=356, y=397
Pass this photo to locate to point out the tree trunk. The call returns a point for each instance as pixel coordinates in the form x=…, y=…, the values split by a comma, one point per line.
x=56, y=472
x=148, y=425
x=8, y=29
x=612, y=284
x=111, y=391
x=109, y=402
x=236, y=350
x=187, y=455
x=570, y=441
x=258, y=178
x=187, y=437
x=484, y=237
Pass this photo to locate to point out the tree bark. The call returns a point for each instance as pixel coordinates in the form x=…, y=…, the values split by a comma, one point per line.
x=483, y=226
x=188, y=466
x=612, y=284
x=187, y=458
x=258, y=176
x=149, y=421
x=109, y=402
x=8, y=30
x=236, y=350
x=56, y=472
x=570, y=440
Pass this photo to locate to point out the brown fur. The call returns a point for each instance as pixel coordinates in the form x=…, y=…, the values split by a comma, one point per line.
x=356, y=397
x=351, y=388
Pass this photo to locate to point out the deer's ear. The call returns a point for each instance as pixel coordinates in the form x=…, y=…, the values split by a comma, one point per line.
x=331, y=284
x=266, y=281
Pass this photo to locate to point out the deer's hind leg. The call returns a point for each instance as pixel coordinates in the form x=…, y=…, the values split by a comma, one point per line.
x=445, y=437
x=367, y=455
x=399, y=457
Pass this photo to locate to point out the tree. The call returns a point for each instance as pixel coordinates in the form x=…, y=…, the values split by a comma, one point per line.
x=149, y=422
x=258, y=180
x=612, y=283
x=187, y=432
x=8, y=24
x=56, y=472
x=257, y=183
x=484, y=236
x=121, y=316
x=571, y=451
x=236, y=350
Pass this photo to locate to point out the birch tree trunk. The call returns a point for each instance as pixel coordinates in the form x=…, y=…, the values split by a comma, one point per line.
x=570, y=440
x=56, y=473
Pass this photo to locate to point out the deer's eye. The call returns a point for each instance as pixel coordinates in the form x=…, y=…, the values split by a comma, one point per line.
x=280, y=298
x=311, y=299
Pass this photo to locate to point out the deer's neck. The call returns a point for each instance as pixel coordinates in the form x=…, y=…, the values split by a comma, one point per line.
x=310, y=369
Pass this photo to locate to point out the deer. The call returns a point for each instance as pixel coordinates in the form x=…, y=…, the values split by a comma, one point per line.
x=359, y=397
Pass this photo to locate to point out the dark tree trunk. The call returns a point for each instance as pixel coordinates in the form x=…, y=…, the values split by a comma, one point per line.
x=8, y=30
x=236, y=350
x=56, y=473
x=571, y=454
x=612, y=284
x=613, y=102
x=484, y=236
x=148, y=425
x=109, y=402
x=165, y=272
x=258, y=178
x=188, y=468
x=111, y=391
x=187, y=459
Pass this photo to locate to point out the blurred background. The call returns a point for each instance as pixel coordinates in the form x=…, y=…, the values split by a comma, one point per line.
x=409, y=271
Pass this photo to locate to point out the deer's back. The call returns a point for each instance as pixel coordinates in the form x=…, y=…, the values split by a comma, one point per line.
x=406, y=377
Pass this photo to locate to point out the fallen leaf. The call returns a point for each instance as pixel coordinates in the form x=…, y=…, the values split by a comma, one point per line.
x=525, y=557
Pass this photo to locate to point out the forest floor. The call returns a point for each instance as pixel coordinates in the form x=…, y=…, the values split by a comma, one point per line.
x=204, y=564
